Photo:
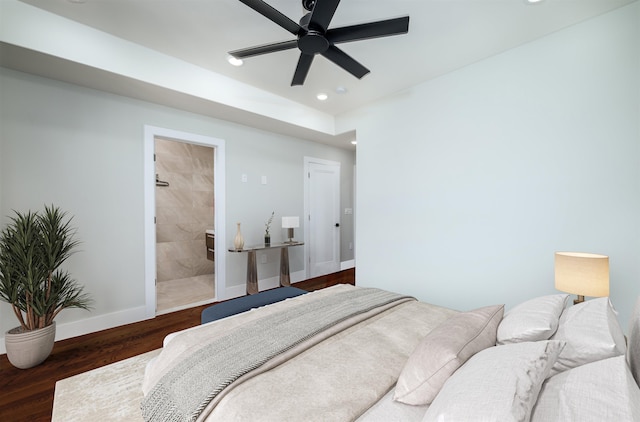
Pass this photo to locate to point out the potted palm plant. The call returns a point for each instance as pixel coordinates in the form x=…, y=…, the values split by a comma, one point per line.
x=33, y=247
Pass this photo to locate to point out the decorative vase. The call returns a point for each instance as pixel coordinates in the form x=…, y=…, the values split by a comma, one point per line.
x=267, y=240
x=26, y=349
x=238, y=242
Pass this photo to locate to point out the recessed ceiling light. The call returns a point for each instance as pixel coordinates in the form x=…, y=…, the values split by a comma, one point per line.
x=322, y=96
x=533, y=1
x=234, y=61
x=341, y=90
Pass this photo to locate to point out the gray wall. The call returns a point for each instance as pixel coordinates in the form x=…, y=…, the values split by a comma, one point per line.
x=280, y=159
x=82, y=149
x=468, y=184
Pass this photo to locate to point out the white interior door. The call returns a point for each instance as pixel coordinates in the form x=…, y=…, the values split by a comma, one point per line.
x=323, y=217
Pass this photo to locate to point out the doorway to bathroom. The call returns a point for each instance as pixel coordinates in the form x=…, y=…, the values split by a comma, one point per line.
x=182, y=242
x=185, y=270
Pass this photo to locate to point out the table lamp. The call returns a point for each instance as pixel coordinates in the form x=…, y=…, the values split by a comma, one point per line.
x=582, y=274
x=290, y=223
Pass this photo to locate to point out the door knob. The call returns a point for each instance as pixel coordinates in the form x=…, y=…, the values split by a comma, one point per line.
x=337, y=224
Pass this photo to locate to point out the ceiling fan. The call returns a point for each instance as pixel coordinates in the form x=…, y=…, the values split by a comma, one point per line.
x=315, y=37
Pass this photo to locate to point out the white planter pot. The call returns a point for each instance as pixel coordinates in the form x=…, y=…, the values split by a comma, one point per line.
x=29, y=348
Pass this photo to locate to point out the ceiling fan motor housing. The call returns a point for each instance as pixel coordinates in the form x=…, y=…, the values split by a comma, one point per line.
x=313, y=42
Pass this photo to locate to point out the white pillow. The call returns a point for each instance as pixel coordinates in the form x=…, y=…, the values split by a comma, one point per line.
x=533, y=320
x=498, y=384
x=443, y=350
x=591, y=331
x=598, y=391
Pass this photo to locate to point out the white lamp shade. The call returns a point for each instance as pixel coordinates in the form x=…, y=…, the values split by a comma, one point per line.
x=290, y=222
x=584, y=274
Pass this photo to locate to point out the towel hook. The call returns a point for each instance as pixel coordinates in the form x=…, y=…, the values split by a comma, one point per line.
x=161, y=182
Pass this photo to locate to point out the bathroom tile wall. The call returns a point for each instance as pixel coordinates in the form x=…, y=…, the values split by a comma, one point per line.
x=184, y=209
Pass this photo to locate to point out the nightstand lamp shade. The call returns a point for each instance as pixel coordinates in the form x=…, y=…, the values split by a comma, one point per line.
x=582, y=274
x=290, y=223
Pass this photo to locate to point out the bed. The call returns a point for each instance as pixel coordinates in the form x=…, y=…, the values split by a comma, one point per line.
x=349, y=353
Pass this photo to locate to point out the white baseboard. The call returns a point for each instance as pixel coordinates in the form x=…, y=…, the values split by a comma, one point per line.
x=93, y=324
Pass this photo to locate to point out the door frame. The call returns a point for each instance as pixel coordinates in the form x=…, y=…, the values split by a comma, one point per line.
x=218, y=145
x=307, y=232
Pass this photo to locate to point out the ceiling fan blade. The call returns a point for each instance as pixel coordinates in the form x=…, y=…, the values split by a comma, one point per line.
x=364, y=31
x=322, y=14
x=274, y=15
x=345, y=61
x=263, y=49
x=304, y=64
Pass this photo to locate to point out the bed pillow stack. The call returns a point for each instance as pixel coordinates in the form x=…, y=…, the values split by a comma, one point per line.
x=443, y=351
x=549, y=359
x=591, y=379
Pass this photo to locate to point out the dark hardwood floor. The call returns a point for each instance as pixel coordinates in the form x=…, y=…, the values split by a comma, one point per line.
x=27, y=394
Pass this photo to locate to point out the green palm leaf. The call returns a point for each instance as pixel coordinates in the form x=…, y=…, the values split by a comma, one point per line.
x=33, y=247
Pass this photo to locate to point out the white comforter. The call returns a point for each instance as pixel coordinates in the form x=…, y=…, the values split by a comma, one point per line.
x=337, y=379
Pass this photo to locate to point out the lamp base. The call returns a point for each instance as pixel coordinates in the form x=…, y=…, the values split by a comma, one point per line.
x=290, y=235
x=580, y=299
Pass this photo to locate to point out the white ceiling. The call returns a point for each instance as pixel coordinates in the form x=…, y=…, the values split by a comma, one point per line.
x=444, y=35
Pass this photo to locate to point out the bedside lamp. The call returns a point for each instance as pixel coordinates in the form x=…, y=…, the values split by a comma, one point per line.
x=582, y=274
x=290, y=223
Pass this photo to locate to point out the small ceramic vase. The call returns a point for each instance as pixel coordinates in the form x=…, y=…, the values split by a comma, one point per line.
x=238, y=242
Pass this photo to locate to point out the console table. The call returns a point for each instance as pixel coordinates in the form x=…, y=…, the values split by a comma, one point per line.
x=252, y=265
